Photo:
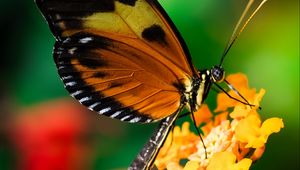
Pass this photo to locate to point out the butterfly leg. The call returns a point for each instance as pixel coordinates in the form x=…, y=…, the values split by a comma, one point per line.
x=232, y=88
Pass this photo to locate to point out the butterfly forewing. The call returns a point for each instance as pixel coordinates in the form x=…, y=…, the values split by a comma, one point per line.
x=123, y=59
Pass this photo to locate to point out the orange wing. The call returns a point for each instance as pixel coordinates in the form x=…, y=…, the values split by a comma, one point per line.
x=121, y=58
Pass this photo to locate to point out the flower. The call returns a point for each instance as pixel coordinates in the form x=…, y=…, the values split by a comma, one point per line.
x=234, y=135
x=179, y=144
x=228, y=160
x=251, y=131
x=51, y=136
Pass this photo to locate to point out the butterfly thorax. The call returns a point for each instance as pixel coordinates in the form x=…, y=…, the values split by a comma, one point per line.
x=201, y=86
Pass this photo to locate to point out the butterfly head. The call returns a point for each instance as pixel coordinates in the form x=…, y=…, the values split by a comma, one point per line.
x=217, y=74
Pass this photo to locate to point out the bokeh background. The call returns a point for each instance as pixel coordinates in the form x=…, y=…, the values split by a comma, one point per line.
x=42, y=128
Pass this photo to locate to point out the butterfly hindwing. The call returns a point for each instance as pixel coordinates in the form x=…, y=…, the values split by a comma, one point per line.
x=102, y=85
x=121, y=58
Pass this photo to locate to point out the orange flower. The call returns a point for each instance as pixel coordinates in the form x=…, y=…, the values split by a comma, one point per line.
x=234, y=136
x=179, y=144
x=226, y=161
x=240, y=82
x=242, y=111
x=251, y=131
x=204, y=115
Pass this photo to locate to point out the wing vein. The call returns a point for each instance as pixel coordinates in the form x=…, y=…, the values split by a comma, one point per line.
x=141, y=100
x=151, y=46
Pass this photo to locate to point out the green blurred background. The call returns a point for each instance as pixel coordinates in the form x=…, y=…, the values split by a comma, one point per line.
x=267, y=52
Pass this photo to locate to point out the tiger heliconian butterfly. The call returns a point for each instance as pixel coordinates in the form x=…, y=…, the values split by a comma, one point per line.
x=125, y=59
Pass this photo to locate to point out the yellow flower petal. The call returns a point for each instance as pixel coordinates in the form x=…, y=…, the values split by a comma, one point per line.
x=185, y=130
x=258, y=97
x=173, y=166
x=226, y=161
x=242, y=111
x=239, y=111
x=244, y=164
x=250, y=131
x=191, y=165
x=271, y=125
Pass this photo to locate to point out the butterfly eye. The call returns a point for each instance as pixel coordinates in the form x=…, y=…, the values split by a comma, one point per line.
x=217, y=74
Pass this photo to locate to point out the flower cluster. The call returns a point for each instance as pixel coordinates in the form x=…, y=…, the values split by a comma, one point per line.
x=234, y=135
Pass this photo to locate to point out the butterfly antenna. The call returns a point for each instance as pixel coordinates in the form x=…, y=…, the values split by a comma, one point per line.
x=236, y=33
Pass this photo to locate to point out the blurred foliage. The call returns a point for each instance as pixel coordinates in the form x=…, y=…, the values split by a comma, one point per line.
x=267, y=51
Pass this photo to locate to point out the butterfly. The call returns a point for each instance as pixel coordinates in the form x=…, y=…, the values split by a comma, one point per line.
x=126, y=60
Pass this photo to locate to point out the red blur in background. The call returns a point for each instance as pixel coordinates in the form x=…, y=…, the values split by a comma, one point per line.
x=51, y=136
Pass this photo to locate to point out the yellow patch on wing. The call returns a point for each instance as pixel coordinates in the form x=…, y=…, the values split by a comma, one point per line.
x=108, y=22
x=126, y=20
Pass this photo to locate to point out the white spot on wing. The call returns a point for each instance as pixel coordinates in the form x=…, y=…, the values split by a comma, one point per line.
x=71, y=51
x=124, y=118
x=105, y=110
x=91, y=107
x=85, y=40
x=66, y=77
x=66, y=40
x=61, y=67
x=72, y=83
x=134, y=120
x=117, y=113
x=84, y=99
x=76, y=93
